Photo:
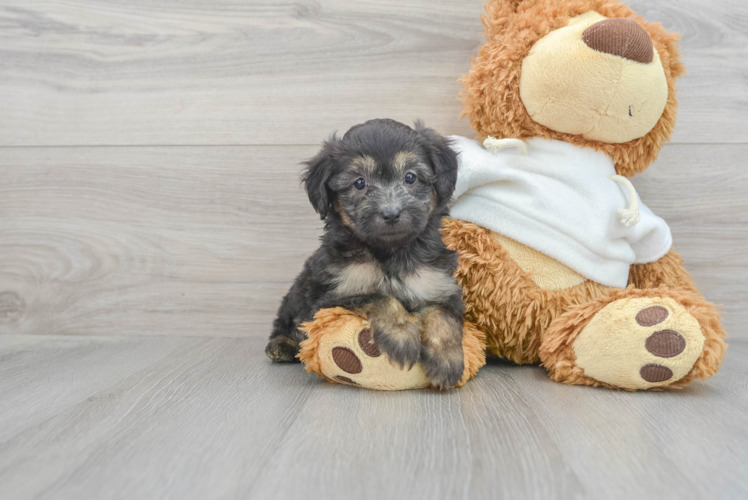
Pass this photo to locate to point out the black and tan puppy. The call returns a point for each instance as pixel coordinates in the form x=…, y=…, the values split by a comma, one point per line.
x=382, y=191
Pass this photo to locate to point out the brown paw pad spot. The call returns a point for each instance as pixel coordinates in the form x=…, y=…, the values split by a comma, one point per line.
x=665, y=343
x=367, y=344
x=655, y=373
x=651, y=316
x=346, y=360
x=345, y=380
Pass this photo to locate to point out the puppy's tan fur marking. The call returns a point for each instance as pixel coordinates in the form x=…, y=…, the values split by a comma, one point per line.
x=365, y=164
x=425, y=285
x=394, y=318
x=403, y=159
x=360, y=278
x=343, y=214
x=428, y=284
x=439, y=332
x=441, y=336
x=395, y=331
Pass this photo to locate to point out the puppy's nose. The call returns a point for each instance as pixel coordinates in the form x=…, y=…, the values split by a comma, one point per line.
x=391, y=215
x=620, y=37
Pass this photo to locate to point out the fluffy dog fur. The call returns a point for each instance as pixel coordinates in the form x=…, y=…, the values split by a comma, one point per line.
x=382, y=190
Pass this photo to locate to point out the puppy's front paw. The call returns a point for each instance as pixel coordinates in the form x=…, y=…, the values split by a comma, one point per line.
x=281, y=349
x=443, y=357
x=444, y=369
x=396, y=334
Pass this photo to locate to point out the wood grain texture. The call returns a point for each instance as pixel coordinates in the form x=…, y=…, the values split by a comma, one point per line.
x=212, y=418
x=650, y=445
x=199, y=422
x=76, y=370
x=205, y=240
x=88, y=72
x=181, y=241
x=137, y=283
x=700, y=191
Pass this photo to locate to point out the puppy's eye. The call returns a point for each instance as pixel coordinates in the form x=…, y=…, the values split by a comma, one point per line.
x=410, y=178
x=360, y=183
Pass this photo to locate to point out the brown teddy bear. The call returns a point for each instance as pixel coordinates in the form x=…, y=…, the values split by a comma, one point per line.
x=560, y=261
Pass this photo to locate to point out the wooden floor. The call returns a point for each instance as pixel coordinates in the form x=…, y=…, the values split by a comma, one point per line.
x=211, y=418
x=151, y=219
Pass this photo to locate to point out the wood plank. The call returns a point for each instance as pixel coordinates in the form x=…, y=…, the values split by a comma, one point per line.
x=206, y=240
x=670, y=445
x=60, y=372
x=700, y=191
x=479, y=442
x=90, y=72
x=174, y=241
x=214, y=419
x=198, y=423
x=714, y=45
x=228, y=72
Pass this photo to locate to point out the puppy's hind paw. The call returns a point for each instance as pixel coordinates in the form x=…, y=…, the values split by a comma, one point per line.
x=281, y=349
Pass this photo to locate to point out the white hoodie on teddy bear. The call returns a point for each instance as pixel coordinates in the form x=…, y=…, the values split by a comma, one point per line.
x=559, y=199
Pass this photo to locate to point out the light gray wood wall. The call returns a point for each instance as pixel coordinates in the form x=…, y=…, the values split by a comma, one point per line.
x=149, y=151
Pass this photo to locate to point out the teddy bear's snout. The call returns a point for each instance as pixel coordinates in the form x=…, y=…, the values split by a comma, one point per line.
x=620, y=37
x=597, y=77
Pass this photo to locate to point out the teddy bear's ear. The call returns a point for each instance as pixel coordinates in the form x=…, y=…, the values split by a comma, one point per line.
x=497, y=15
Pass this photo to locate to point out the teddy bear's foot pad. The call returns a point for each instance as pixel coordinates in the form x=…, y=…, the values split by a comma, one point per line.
x=362, y=364
x=639, y=343
x=662, y=343
x=362, y=356
x=340, y=347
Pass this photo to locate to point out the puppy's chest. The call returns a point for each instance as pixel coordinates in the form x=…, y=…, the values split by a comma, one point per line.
x=426, y=284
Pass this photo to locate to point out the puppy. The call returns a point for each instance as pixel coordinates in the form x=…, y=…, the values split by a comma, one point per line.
x=382, y=191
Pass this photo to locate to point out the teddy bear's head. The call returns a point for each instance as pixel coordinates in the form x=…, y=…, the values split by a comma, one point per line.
x=588, y=72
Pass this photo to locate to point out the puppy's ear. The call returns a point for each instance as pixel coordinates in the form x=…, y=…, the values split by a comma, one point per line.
x=443, y=161
x=317, y=173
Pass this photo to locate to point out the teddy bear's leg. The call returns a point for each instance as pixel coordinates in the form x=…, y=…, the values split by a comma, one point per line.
x=341, y=348
x=635, y=339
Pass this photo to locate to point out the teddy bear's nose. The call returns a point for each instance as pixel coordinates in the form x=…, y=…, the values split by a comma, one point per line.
x=620, y=37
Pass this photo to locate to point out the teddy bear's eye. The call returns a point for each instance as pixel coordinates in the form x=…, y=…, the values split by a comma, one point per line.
x=410, y=178
x=360, y=183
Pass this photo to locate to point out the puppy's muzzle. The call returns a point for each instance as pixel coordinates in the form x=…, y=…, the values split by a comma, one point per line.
x=391, y=215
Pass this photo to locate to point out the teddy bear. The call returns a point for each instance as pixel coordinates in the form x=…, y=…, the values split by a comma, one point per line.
x=561, y=263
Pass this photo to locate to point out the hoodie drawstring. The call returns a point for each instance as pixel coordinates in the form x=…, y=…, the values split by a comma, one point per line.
x=495, y=145
x=628, y=216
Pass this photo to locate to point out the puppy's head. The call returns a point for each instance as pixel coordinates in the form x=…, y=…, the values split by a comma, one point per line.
x=383, y=179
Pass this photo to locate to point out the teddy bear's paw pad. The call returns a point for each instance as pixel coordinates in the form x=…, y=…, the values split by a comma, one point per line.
x=347, y=360
x=665, y=343
x=652, y=315
x=366, y=342
x=639, y=343
x=357, y=360
x=345, y=380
